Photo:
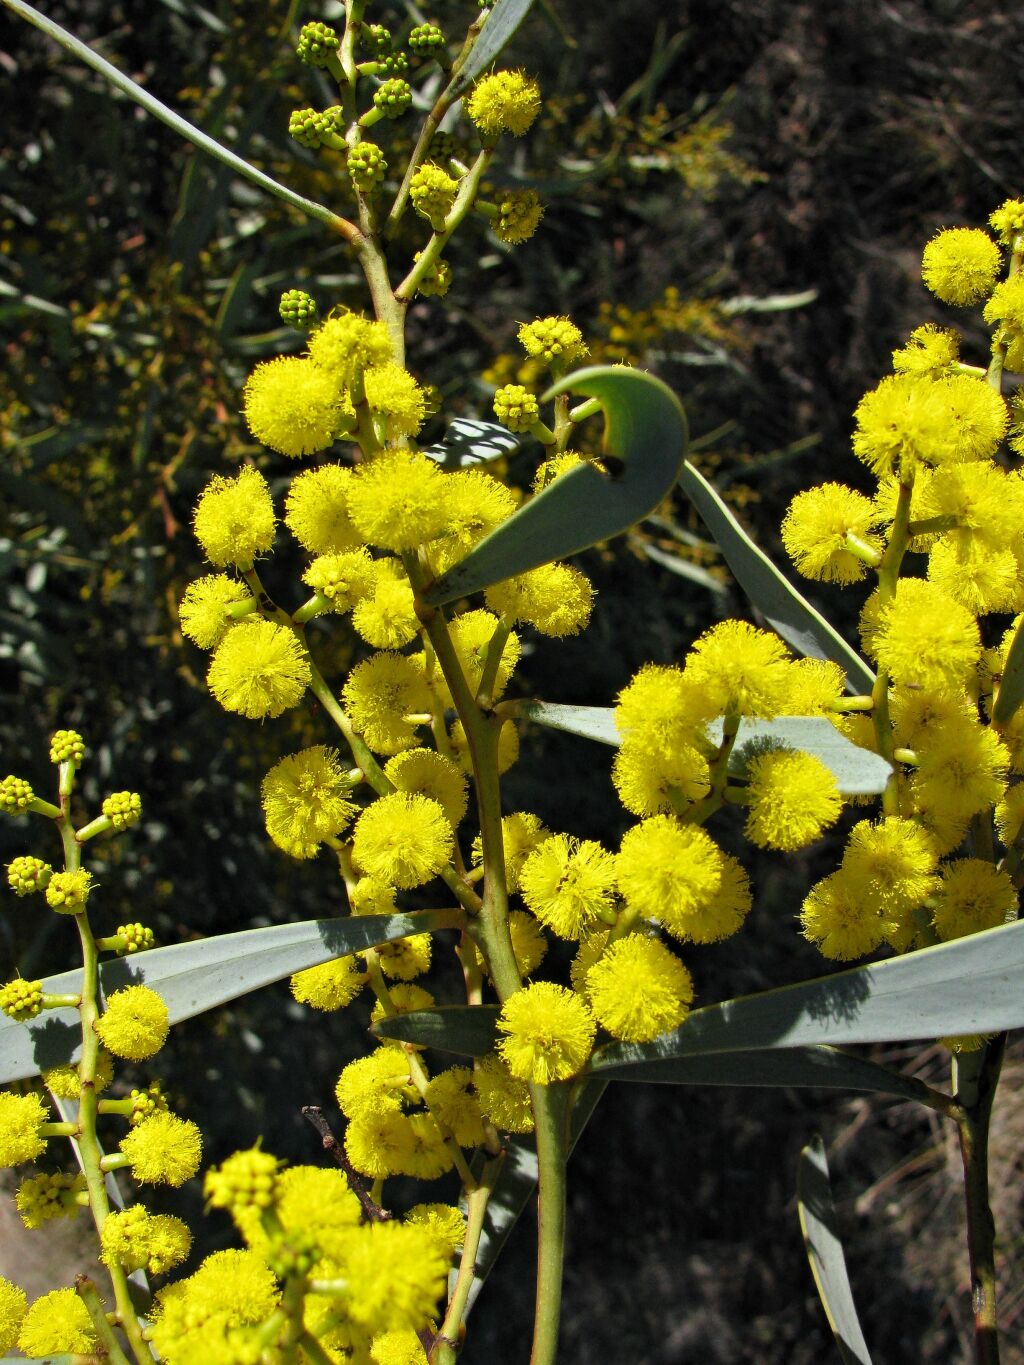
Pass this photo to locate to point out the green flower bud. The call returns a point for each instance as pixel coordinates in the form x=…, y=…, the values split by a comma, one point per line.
x=366, y=166
x=26, y=874
x=376, y=39
x=318, y=43
x=16, y=795
x=426, y=39
x=442, y=148
x=315, y=127
x=67, y=746
x=393, y=98
x=136, y=936
x=394, y=64
x=21, y=1000
x=516, y=407
x=433, y=192
x=297, y=309
x=519, y=212
x=123, y=809
x=67, y=892
x=436, y=281
x=292, y=1254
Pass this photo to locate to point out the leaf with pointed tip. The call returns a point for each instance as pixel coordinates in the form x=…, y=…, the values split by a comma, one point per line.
x=499, y=29
x=645, y=432
x=825, y=1252
x=1011, y=685
x=194, y=977
x=799, y=624
x=969, y=986
x=858, y=772
x=468, y=443
x=468, y=1030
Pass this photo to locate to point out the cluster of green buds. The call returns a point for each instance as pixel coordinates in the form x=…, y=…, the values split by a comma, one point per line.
x=366, y=167
x=298, y=309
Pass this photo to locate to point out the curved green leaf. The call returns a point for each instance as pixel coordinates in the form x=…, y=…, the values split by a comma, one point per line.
x=858, y=772
x=160, y=111
x=498, y=30
x=468, y=1030
x=970, y=986
x=825, y=1252
x=194, y=977
x=1011, y=685
x=645, y=431
x=468, y=442
x=825, y=1068
x=779, y=602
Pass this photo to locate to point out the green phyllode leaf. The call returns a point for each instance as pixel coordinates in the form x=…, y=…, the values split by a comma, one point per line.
x=195, y=977
x=468, y=1030
x=498, y=30
x=858, y=772
x=825, y=1252
x=645, y=430
x=799, y=624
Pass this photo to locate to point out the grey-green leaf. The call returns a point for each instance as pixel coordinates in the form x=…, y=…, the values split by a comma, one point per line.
x=645, y=433
x=499, y=29
x=194, y=977
x=468, y=1030
x=970, y=986
x=779, y=602
x=825, y=1252
x=1011, y=686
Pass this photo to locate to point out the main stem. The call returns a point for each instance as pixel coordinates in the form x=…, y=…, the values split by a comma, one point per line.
x=551, y=1111
x=977, y=1082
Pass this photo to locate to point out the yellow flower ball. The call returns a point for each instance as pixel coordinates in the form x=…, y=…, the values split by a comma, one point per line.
x=547, y=1031
x=793, y=799
x=294, y=406
x=234, y=519
x=259, y=670
x=58, y=1323
x=134, y=1024
x=639, y=989
x=403, y=838
x=504, y=102
x=960, y=265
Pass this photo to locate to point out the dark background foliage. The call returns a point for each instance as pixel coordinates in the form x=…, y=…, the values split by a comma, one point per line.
x=725, y=151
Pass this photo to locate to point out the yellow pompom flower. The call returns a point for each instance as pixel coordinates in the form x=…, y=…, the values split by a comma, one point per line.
x=815, y=531
x=793, y=798
x=347, y=344
x=394, y=396
x=259, y=670
x=245, y=1180
x=65, y=1083
x=135, y=1239
x=67, y=892
x=1010, y=814
x=504, y=1099
x=397, y=1348
x=529, y=946
x=741, y=670
x=403, y=959
x=330, y=986
x=960, y=265
x=372, y=897
x=316, y=510
x=431, y=774
x=1007, y=303
x=1007, y=221
x=976, y=416
x=555, y=340
x=395, y=1276
x=230, y=1289
x=134, y=1024
x=397, y=501
x=639, y=989
x=547, y=1031
x=471, y=634
x=314, y=1202
x=163, y=1150
x=816, y=688
x=981, y=578
x=344, y=578
x=924, y=638
x=504, y=102
x=647, y=782
x=519, y=215
x=432, y=191
x=837, y=919
x=892, y=864
x=234, y=519
x=520, y=833
x=402, y=838
x=305, y=800
x=973, y=896
x=669, y=872
x=294, y=406
x=206, y=611
x=386, y=616
x=21, y=1000
x=477, y=502
x=555, y=599
x=58, y=1323
x=444, y=1220
x=568, y=884
x=379, y=1141
x=930, y=351
x=724, y=913
x=122, y=809
x=454, y=1106
x=902, y=423
x=42, y=1198
x=551, y=469
x=406, y=998
x=661, y=710
x=379, y=1078
x=378, y=694
x=13, y=1303
x=962, y=772
x=21, y=1117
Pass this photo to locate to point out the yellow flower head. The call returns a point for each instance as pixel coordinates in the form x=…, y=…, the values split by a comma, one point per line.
x=432, y=191
x=13, y=1303
x=555, y=599
x=305, y=800
x=519, y=214
x=378, y=694
x=379, y=1078
x=398, y=501
x=386, y=615
x=330, y=986
x=372, y=897
x=446, y=1222
x=669, y=872
x=793, y=799
x=838, y=920
x=529, y=946
x=67, y=892
x=1007, y=303
x=553, y=468
x=647, y=783
x=639, y=989
x=259, y=670
x=816, y=688
x=504, y=102
x=662, y=710
x=394, y=396
x=206, y=613
x=316, y=510
x=508, y=746
x=246, y=1180
x=976, y=416
x=454, y=1106
x=929, y=351
x=397, y=1348
x=395, y=1277
x=1010, y=814
x=294, y=406
x=402, y=838
x=521, y=833
x=230, y=1289
x=960, y=265
x=42, y=1198
x=431, y=774
x=403, y=959
x=815, y=531
x=973, y=896
x=58, y=1323
x=345, y=579
x=547, y=1031
x=379, y=1140
x=134, y=1024
x=26, y=874
x=504, y=1098
x=892, y=864
x=471, y=633
x=1008, y=220
x=347, y=344
x=724, y=913
x=568, y=884
x=740, y=669
x=234, y=519
x=21, y=1117
x=163, y=1150
x=138, y=1240
x=926, y=639
x=962, y=772
x=555, y=340
x=902, y=423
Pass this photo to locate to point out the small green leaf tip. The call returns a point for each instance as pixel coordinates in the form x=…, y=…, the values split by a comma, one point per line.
x=318, y=43
x=297, y=309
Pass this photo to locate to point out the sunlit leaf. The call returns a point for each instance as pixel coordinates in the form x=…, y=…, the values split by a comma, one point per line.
x=645, y=433
x=194, y=977
x=825, y=1252
x=502, y=22
x=468, y=1030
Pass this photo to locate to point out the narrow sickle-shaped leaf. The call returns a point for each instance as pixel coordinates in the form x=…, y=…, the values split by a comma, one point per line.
x=468, y=1030
x=502, y=22
x=825, y=1252
x=645, y=430
x=194, y=977
x=799, y=624
x=1011, y=685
